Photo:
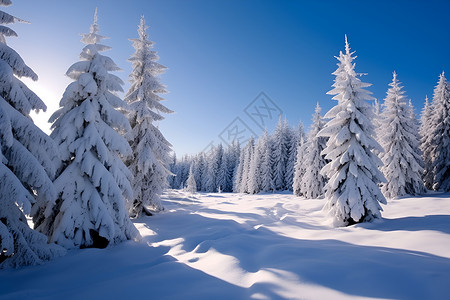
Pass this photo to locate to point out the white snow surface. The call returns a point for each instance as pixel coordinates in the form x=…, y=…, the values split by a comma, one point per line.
x=264, y=246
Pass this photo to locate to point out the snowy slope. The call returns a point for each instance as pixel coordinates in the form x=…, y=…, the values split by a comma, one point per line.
x=271, y=246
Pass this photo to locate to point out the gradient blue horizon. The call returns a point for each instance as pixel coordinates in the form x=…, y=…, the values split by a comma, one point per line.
x=221, y=54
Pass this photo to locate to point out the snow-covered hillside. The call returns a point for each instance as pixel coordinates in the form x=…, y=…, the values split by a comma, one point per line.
x=271, y=246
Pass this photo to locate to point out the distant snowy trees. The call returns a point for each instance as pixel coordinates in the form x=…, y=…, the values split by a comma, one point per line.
x=284, y=142
x=214, y=171
x=92, y=183
x=294, y=135
x=266, y=163
x=149, y=161
x=402, y=162
x=424, y=129
x=299, y=166
x=214, y=162
x=243, y=184
x=28, y=161
x=237, y=180
x=352, y=192
x=258, y=167
x=225, y=173
x=260, y=173
x=436, y=143
x=312, y=181
x=191, y=185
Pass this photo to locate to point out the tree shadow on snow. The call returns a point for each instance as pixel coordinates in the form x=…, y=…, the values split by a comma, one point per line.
x=364, y=271
x=126, y=271
x=430, y=222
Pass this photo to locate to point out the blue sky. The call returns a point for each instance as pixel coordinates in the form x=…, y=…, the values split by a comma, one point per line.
x=222, y=54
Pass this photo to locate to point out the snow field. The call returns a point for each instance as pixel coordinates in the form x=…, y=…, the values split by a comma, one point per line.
x=265, y=246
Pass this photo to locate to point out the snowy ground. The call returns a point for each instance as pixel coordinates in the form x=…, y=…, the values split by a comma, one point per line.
x=273, y=246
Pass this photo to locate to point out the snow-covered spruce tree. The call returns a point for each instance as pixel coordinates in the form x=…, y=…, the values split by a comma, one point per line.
x=377, y=121
x=199, y=170
x=402, y=162
x=266, y=175
x=191, y=185
x=439, y=138
x=204, y=177
x=288, y=140
x=352, y=191
x=239, y=172
x=300, y=134
x=178, y=170
x=182, y=172
x=280, y=155
x=298, y=164
x=254, y=178
x=214, y=163
x=299, y=167
x=149, y=162
x=312, y=182
x=224, y=176
x=376, y=110
x=292, y=154
x=416, y=133
x=175, y=169
x=28, y=159
x=93, y=183
x=172, y=166
x=234, y=154
x=248, y=154
x=425, y=118
x=424, y=131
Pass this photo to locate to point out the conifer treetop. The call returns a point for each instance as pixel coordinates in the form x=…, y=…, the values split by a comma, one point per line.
x=143, y=29
x=7, y=54
x=93, y=38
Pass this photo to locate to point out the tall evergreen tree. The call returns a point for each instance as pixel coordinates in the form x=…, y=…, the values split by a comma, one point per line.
x=377, y=121
x=255, y=172
x=438, y=140
x=149, y=162
x=224, y=176
x=214, y=163
x=425, y=120
x=267, y=184
x=27, y=161
x=183, y=171
x=424, y=131
x=200, y=170
x=172, y=166
x=248, y=154
x=300, y=167
x=93, y=183
x=239, y=172
x=301, y=137
x=191, y=185
x=312, y=182
x=234, y=155
x=292, y=143
x=280, y=156
x=352, y=191
x=401, y=157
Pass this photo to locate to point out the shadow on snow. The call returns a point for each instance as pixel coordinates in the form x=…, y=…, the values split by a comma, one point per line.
x=366, y=271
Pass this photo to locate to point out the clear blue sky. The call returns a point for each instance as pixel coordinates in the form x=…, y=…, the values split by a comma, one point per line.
x=222, y=54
